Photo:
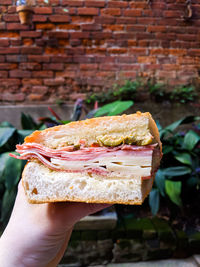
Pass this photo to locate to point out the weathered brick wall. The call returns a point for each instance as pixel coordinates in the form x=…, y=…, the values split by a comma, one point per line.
x=64, y=54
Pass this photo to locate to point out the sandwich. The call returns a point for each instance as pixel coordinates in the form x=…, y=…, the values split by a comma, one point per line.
x=99, y=160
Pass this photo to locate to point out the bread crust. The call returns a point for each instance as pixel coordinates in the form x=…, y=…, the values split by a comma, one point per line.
x=90, y=129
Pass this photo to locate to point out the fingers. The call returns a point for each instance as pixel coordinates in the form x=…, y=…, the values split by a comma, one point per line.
x=67, y=214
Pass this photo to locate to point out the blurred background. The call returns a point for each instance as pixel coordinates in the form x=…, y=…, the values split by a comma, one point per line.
x=63, y=61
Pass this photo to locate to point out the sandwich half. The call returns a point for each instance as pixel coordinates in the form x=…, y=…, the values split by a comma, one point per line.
x=99, y=160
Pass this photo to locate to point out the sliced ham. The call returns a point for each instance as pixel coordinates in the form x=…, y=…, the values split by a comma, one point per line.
x=100, y=160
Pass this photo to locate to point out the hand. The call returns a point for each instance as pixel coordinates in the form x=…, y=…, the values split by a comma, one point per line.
x=38, y=234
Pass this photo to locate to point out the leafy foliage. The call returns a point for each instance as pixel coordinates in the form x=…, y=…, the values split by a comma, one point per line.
x=126, y=91
x=181, y=151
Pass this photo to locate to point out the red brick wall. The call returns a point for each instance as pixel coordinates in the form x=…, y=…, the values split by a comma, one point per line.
x=65, y=54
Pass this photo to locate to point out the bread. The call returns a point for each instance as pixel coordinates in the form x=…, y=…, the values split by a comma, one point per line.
x=127, y=180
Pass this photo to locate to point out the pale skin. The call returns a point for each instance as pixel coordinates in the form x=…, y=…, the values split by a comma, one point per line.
x=38, y=234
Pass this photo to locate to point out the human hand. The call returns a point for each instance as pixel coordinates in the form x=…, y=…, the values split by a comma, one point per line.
x=38, y=234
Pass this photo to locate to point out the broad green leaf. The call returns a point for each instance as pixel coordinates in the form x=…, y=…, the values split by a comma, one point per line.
x=176, y=171
x=6, y=124
x=154, y=200
x=3, y=158
x=160, y=182
x=190, y=140
x=193, y=181
x=184, y=158
x=114, y=108
x=5, y=134
x=170, y=128
x=173, y=190
x=167, y=149
x=27, y=122
x=7, y=204
x=12, y=171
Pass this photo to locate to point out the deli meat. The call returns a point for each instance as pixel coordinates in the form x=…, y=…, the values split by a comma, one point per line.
x=101, y=160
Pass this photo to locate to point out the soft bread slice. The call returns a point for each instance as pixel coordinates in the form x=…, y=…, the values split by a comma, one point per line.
x=44, y=185
x=90, y=130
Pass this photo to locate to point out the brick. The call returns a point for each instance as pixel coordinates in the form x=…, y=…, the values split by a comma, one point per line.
x=105, y=20
x=15, y=42
x=30, y=66
x=59, y=18
x=16, y=26
x=39, y=18
x=31, y=50
x=138, y=51
x=91, y=27
x=30, y=81
x=92, y=3
x=62, y=59
x=9, y=34
x=16, y=58
x=117, y=50
x=113, y=28
x=19, y=97
x=54, y=50
x=30, y=34
x=155, y=28
x=9, y=82
x=75, y=42
x=111, y=11
x=35, y=97
x=120, y=4
x=74, y=27
x=6, y=2
x=11, y=18
x=100, y=35
x=146, y=59
x=172, y=13
x=123, y=20
x=2, y=25
x=88, y=66
x=43, y=10
x=54, y=82
x=2, y=58
x=129, y=67
x=79, y=35
x=132, y=13
x=130, y=74
x=27, y=42
x=3, y=74
x=72, y=3
x=42, y=74
x=58, y=34
x=140, y=5
x=91, y=11
x=39, y=89
x=9, y=50
x=83, y=59
x=53, y=66
x=4, y=42
x=67, y=74
x=136, y=28
x=46, y=26
x=19, y=74
x=7, y=66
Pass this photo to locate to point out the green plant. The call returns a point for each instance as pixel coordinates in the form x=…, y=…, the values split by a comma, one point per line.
x=179, y=175
x=183, y=94
x=125, y=91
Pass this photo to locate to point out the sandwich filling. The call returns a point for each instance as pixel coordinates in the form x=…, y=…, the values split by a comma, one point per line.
x=127, y=160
